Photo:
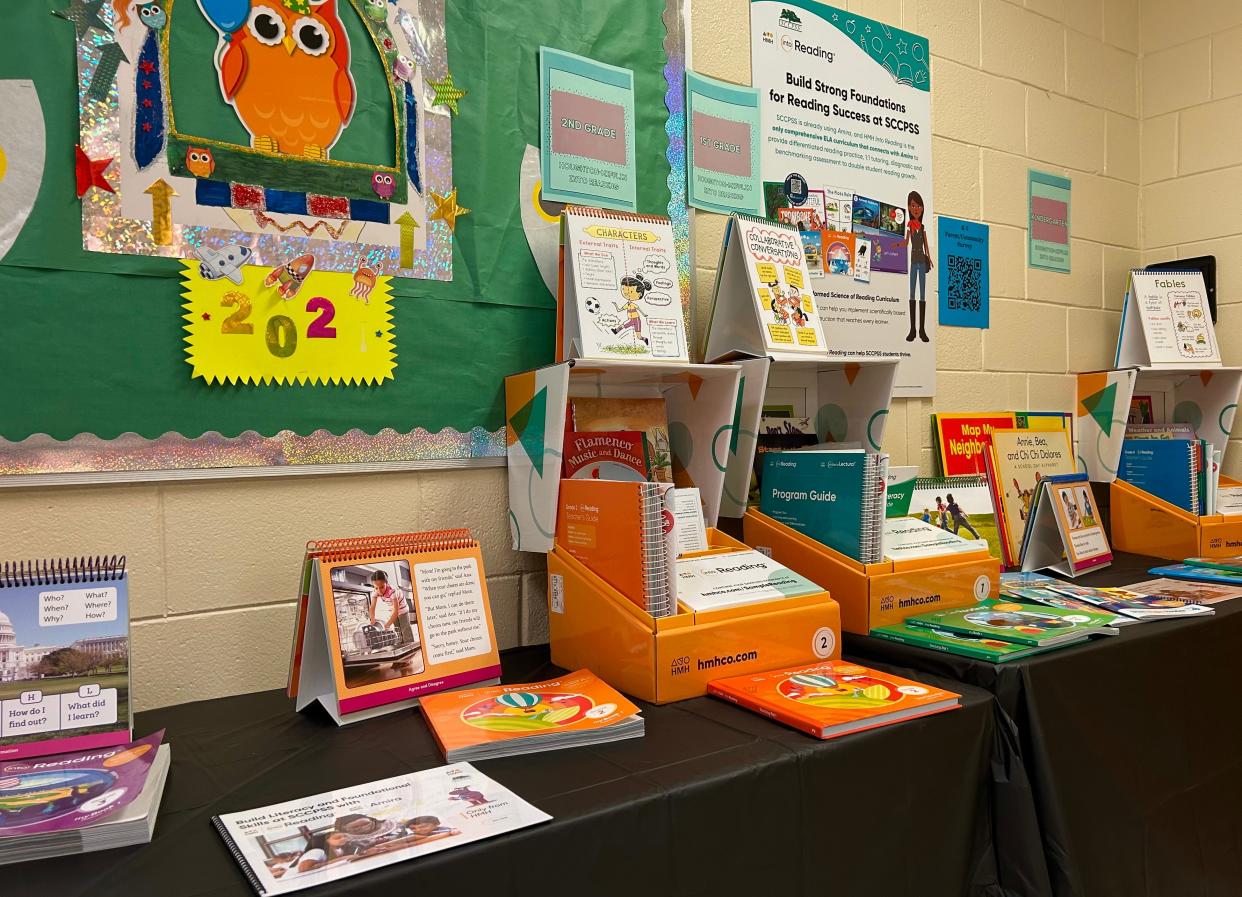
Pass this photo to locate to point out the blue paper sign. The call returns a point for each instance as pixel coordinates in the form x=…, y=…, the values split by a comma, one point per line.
x=963, y=273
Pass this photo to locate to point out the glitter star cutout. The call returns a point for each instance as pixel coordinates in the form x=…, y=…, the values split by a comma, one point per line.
x=378, y=334
x=90, y=172
x=206, y=316
x=447, y=93
x=84, y=14
x=147, y=66
x=447, y=209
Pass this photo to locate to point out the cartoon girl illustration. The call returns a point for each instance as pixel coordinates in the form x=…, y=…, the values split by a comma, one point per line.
x=633, y=288
x=799, y=317
x=920, y=264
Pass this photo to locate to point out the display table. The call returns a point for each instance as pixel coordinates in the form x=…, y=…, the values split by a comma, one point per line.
x=1133, y=745
x=712, y=801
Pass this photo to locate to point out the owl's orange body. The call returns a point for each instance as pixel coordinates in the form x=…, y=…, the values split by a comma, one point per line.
x=291, y=102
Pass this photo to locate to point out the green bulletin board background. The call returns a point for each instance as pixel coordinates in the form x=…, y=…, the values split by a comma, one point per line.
x=93, y=343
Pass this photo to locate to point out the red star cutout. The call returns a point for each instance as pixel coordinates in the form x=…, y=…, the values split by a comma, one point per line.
x=146, y=126
x=90, y=172
x=147, y=103
x=206, y=316
x=146, y=85
x=147, y=66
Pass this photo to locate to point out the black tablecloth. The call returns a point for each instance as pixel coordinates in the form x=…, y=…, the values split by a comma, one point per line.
x=712, y=801
x=1133, y=745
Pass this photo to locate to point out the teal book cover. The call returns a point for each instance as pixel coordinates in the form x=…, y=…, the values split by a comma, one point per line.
x=819, y=494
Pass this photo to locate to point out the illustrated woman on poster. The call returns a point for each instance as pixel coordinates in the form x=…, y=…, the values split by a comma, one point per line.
x=920, y=264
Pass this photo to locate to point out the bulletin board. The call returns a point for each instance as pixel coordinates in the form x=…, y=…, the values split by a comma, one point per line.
x=96, y=380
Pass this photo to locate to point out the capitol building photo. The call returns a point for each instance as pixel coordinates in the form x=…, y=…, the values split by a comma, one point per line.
x=19, y=662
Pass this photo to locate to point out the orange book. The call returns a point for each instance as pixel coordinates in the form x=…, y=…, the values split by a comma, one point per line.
x=576, y=709
x=833, y=698
x=593, y=414
x=620, y=531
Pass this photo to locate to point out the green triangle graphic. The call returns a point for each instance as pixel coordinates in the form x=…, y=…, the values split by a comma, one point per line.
x=737, y=418
x=529, y=422
x=1100, y=405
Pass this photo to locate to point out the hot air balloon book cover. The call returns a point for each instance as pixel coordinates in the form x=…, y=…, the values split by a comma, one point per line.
x=574, y=710
x=834, y=698
x=288, y=126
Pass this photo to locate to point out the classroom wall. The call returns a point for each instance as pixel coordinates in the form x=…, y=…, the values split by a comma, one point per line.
x=1049, y=84
x=1191, y=118
x=1053, y=84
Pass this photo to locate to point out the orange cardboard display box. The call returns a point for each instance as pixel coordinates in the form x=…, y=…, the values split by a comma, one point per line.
x=882, y=594
x=1145, y=524
x=673, y=658
x=1140, y=522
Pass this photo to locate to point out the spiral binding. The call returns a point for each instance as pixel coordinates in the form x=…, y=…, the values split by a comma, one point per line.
x=61, y=571
x=238, y=855
x=613, y=215
x=369, y=546
x=656, y=590
x=873, y=503
x=767, y=222
x=958, y=481
x=1196, y=506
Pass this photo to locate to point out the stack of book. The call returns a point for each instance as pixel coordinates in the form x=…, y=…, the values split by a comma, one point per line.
x=834, y=496
x=1005, y=622
x=507, y=720
x=1227, y=571
x=1169, y=462
x=95, y=799
x=834, y=698
x=620, y=513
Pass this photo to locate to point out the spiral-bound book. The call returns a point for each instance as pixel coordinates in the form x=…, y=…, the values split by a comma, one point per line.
x=383, y=620
x=621, y=532
x=619, y=296
x=1166, y=321
x=64, y=656
x=313, y=840
x=836, y=497
x=763, y=302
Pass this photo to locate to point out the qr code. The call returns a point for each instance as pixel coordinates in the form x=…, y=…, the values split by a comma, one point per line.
x=964, y=274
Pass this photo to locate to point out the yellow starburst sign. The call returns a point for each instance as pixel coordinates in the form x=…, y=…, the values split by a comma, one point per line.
x=336, y=328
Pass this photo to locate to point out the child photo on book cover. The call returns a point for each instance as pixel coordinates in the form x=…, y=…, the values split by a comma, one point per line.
x=376, y=622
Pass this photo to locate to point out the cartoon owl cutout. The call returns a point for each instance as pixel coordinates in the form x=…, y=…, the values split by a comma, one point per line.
x=383, y=185
x=200, y=161
x=285, y=72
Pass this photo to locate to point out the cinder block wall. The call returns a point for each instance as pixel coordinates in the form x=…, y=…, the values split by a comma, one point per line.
x=1053, y=84
x=1191, y=76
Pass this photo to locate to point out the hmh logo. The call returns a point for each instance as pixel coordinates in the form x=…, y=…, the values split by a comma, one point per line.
x=886, y=603
x=769, y=37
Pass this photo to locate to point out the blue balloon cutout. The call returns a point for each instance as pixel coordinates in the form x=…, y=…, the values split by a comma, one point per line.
x=226, y=15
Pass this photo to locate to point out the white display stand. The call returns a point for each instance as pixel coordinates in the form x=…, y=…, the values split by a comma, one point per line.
x=702, y=402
